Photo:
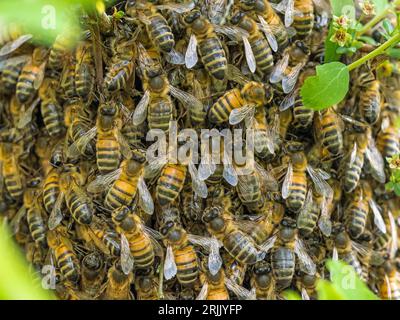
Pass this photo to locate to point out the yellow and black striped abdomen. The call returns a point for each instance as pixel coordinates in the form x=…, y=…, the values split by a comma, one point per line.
x=241, y=247
x=303, y=19
x=278, y=27
x=119, y=72
x=249, y=190
x=110, y=239
x=187, y=265
x=262, y=53
x=213, y=56
x=134, y=134
x=388, y=142
x=25, y=85
x=356, y=217
x=160, y=113
x=10, y=75
x=108, y=153
x=51, y=190
x=283, y=265
x=160, y=32
x=80, y=207
x=142, y=250
x=389, y=288
x=307, y=220
x=370, y=103
x=352, y=174
x=297, y=191
x=302, y=116
x=220, y=111
x=37, y=227
x=170, y=183
x=52, y=118
x=67, y=263
x=84, y=79
x=122, y=192
x=13, y=181
x=332, y=139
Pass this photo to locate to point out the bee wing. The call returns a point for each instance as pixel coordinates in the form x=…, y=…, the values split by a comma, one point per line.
x=14, y=45
x=206, y=166
x=177, y=7
x=353, y=154
x=234, y=74
x=233, y=32
x=251, y=60
x=124, y=145
x=280, y=7
x=378, y=220
x=268, y=34
x=324, y=221
x=140, y=113
x=288, y=101
x=321, y=185
x=27, y=115
x=103, y=181
x=389, y=287
x=267, y=179
x=393, y=233
x=214, y=258
x=335, y=254
x=306, y=263
x=81, y=143
x=16, y=220
x=203, y=292
x=146, y=201
x=169, y=264
x=17, y=60
x=239, y=114
x=229, y=173
x=56, y=215
x=376, y=162
x=175, y=57
x=154, y=167
x=289, y=81
x=199, y=186
x=268, y=244
x=304, y=294
x=40, y=76
x=191, y=56
x=308, y=203
x=287, y=182
x=127, y=261
x=279, y=69
x=239, y=291
x=289, y=13
x=360, y=249
x=385, y=123
x=188, y=100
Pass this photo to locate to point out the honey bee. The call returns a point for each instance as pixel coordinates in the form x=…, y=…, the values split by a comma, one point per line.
x=118, y=284
x=60, y=49
x=387, y=140
x=84, y=71
x=263, y=281
x=110, y=143
x=272, y=25
x=138, y=242
x=50, y=109
x=204, y=38
x=357, y=211
x=286, y=245
x=237, y=243
x=146, y=285
x=31, y=77
x=156, y=102
x=307, y=284
x=11, y=35
x=389, y=287
x=93, y=273
x=64, y=254
x=11, y=69
x=328, y=131
x=258, y=52
x=67, y=80
x=71, y=181
x=11, y=172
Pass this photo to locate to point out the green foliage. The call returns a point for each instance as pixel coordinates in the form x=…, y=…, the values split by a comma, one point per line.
x=328, y=87
x=16, y=281
x=394, y=180
x=45, y=19
x=344, y=285
x=380, y=5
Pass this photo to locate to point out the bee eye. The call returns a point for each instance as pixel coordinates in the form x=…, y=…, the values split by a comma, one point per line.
x=164, y=231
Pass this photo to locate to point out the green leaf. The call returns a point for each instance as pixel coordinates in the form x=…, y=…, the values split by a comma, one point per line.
x=340, y=7
x=331, y=48
x=346, y=282
x=396, y=189
x=387, y=25
x=368, y=40
x=389, y=186
x=393, y=52
x=326, y=291
x=380, y=5
x=328, y=87
x=291, y=295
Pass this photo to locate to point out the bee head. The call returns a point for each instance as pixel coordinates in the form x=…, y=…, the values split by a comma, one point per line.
x=341, y=239
x=192, y=16
x=145, y=283
x=308, y=280
x=303, y=47
x=212, y=216
x=262, y=267
x=237, y=17
x=34, y=182
x=171, y=231
x=121, y=218
x=108, y=109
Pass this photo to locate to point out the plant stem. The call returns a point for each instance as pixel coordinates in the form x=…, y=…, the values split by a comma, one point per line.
x=377, y=18
x=380, y=50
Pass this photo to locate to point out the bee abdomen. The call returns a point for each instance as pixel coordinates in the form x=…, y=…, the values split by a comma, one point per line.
x=357, y=219
x=14, y=186
x=160, y=114
x=213, y=57
x=303, y=23
x=170, y=184
x=352, y=175
x=37, y=227
x=120, y=194
x=241, y=247
x=67, y=264
x=51, y=191
x=108, y=155
x=142, y=251
x=161, y=33
x=10, y=76
x=220, y=111
x=283, y=266
x=25, y=89
x=306, y=223
x=52, y=118
x=80, y=209
x=187, y=266
x=297, y=196
x=303, y=117
x=262, y=54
